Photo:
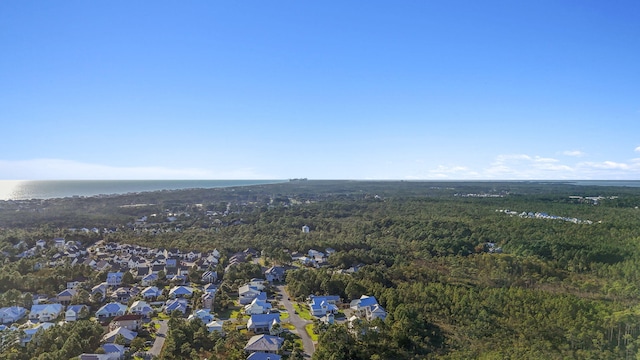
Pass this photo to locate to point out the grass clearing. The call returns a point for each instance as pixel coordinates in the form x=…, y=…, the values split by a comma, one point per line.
x=303, y=311
x=309, y=329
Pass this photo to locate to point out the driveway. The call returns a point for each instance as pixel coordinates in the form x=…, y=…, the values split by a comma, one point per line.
x=298, y=322
x=161, y=334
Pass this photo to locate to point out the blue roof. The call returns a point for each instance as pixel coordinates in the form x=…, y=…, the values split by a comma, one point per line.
x=39, y=308
x=113, y=348
x=369, y=301
x=319, y=299
x=263, y=356
x=75, y=308
x=264, y=318
x=262, y=296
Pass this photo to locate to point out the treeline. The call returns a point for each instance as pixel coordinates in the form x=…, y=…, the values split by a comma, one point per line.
x=558, y=290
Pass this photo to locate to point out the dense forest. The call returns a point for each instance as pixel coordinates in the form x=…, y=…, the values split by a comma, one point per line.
x=485, y=270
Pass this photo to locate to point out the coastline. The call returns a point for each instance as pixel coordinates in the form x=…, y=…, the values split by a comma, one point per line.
x=57, y=189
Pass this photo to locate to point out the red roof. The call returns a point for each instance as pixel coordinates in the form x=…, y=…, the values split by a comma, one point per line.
x=127, y=317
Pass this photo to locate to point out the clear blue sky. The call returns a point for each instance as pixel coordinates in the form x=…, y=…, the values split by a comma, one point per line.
x=326, y=90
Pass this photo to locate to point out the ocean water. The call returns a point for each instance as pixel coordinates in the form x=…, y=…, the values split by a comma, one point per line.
x=49, y=189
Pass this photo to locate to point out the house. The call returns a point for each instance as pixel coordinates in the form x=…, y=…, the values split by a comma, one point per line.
x=76, y=312
x=322, y=305
x=208, y=299
x=275, y=273
x=59, y=243
x=45, y=312
x=263, y=323
x=74, y=284
x=203, y=315
x=140, y=307
x=328, y=319
x=315, y=254
x=111, y=309
x=65, y=296
x=151, y=292
x=264, y=343
x=127, y=334
x=149, y=279
x=257, y=283
x=114, y=278
x=111, y=352
x=156, y=268
x=142, y=271
x=129, y=322
x=177, y=304
x=368, y=307
x=247, y=293
x=263, y=356
x=114, y=349
x=121, y=295
x=100, y=288
x=305, y=229
x=210, y=288
x=180, y=292
x=359, y=305
x=215, y=325
x=12, y=314
x=102, y=265
x=375, y=312
x=41, y=243
x=257, y=306
x=29, y=333
x=209, y=277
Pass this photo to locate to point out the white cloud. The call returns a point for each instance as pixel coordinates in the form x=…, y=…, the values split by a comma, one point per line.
x=637, y=149
x=575, y=153
x=58, y=169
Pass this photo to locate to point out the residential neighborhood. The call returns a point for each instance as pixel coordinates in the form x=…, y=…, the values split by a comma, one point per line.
x=143, y=285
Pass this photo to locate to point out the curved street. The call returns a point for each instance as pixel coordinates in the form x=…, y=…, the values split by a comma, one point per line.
x=298, y=322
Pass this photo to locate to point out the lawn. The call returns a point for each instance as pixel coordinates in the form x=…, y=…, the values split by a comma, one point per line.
x=284, y=315
x=230, y=313
x=303, y=311
x=309, y=329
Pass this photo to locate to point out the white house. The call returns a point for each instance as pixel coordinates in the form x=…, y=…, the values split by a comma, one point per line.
x=114, y=278
x=151, y=292
x=45, y=312
x=111, y=309
x=203, y=315
x=247, y=293
x=263, y=323
x=12, y=314
x=264, y=343
x=368, y=307
x=275, y=273
x=180, y=292
x=323, y=305
x=209, y=276
x=257, y=306
x=215, y=325
x=149, y=279
x=140, y=307
x=177, y=304
x=127, y=334
x=76, y=312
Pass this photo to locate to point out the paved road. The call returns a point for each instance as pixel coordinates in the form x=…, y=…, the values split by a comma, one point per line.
x=298, y=322
x=161, y=334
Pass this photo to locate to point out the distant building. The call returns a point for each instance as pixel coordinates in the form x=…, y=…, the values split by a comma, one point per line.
x=305, y=229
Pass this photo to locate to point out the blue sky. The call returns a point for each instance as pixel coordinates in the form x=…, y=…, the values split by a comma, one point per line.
x=324, y=90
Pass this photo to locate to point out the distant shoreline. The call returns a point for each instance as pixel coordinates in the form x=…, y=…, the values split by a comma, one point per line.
x=55, y=189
